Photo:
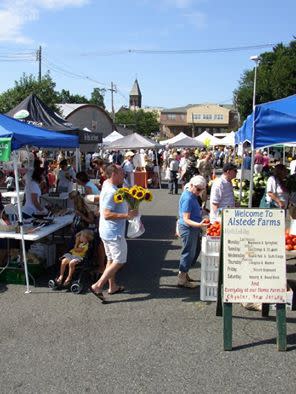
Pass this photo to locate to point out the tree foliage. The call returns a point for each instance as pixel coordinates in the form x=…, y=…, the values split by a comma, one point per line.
x=97, y=97
x=139, y=121
x=45, y=90
x=28, y=84
x=66, y=97
x=276, y=78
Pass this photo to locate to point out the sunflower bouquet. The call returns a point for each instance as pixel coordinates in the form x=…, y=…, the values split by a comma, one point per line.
x=133, y=196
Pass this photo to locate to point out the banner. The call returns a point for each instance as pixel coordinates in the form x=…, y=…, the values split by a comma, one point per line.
x=5, y=149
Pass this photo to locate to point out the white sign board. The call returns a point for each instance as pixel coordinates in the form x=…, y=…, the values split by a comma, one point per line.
x=254, y=256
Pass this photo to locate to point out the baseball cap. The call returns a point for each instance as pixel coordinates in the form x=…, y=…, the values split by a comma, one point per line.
x=229, y=167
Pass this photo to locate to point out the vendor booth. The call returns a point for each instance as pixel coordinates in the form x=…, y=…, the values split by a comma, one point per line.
x=34, y=111
x=16, y=135
x=136, y=141
x=208, y=139
x=186, y=142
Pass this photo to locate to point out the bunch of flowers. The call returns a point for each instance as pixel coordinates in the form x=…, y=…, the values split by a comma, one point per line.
x=133, y=196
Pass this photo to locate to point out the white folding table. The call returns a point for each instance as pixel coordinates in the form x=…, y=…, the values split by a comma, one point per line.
x=59, y=222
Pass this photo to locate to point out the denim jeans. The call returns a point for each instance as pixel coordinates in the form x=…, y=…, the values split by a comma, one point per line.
x=173, y=182
x=191, y=240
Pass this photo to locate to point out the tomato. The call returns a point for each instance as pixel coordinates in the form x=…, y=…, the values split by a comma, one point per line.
x=293, y=241
x=289, y=247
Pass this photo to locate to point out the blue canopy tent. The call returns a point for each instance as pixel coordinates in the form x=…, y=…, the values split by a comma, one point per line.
x=244, y=133
x=274, y=123
x=23, y=134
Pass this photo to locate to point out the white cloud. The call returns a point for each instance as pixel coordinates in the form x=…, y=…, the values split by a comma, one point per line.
x=197, y=19
x=15, y=14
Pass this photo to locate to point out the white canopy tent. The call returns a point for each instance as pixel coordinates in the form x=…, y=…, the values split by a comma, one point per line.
x=114, y=136
x=136, y=141
x=208, y=139
x=228, y=140
x=186, y=142
x=177, y=137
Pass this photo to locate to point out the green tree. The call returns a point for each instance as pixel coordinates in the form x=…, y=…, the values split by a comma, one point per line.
x=45, y=90
x=140, y=121
x=276, y=78
x=66, y=97
x=97, y=97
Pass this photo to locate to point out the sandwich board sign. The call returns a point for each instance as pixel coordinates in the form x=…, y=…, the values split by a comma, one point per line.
x=5, y=149
x=254, y=260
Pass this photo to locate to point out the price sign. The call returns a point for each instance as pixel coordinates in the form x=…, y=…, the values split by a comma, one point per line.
x=254, y=256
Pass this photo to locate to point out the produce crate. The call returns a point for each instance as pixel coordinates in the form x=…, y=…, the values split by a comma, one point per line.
x=210, y=253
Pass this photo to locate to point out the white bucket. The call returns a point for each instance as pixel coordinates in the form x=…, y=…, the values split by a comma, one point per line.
x=293, y=226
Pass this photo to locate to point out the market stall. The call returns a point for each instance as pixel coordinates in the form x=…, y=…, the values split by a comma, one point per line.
x=17, y=135
x=186, y=142
x=136, y=141
x=208, y=139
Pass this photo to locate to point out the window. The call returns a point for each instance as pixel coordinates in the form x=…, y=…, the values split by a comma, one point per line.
x=196, y=116
x=171, y=116
x=218, y=117
x=207, y=116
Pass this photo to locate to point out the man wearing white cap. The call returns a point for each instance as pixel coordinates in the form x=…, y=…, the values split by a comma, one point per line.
x=128, y=168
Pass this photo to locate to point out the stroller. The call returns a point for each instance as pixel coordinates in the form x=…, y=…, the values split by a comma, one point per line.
x=86, y=273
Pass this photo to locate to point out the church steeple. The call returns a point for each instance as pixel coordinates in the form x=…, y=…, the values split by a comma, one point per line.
x=135, y=98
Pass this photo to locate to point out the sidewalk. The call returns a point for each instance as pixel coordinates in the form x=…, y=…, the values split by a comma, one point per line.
x=153, y=338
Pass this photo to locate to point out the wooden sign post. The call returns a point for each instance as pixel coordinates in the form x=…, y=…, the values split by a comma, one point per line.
x=254, y=264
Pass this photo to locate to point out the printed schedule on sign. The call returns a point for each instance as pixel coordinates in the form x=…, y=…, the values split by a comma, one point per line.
x=254, y=256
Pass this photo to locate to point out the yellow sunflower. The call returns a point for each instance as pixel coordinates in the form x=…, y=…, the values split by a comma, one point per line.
x=148, y=196
x=123, y=190
x=118, y=198
x=139, y=195
x=133, y=191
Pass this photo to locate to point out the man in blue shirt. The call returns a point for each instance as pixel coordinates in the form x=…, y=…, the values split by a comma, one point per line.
x=112, y=227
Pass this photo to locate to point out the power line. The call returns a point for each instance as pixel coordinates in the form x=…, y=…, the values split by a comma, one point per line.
x=177, y=51
x=71, y=74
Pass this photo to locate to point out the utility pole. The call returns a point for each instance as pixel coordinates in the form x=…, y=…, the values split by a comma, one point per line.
x=193, y=128
x=112, y=90
x=38, y=59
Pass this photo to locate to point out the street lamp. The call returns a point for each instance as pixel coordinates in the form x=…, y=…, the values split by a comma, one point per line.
x=255, y=59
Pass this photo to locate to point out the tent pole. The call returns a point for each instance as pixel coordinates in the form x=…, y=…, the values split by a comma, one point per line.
x=156, y=157
x=20, y=219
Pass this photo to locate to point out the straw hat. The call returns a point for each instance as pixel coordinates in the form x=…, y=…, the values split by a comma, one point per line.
x=129, y=153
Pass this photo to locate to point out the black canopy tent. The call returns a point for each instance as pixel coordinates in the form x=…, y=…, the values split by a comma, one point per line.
x=34, y=111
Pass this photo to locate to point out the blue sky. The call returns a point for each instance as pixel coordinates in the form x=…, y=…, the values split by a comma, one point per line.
x=91, y=39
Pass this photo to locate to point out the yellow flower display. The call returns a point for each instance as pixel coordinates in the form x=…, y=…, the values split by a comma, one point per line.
x=133, y=196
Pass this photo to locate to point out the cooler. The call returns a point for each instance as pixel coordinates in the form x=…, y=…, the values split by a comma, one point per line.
x=140, y=178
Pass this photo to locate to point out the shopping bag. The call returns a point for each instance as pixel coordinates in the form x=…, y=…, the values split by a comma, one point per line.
x=167, y=175
x=135, y=227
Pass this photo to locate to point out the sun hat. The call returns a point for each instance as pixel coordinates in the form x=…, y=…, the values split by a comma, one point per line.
x=129, y=153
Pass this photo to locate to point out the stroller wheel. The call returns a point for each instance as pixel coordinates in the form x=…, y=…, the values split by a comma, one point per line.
x=52, y=284
x=76, y=288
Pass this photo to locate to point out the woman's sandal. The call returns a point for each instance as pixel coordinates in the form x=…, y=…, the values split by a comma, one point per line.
x=98, y=295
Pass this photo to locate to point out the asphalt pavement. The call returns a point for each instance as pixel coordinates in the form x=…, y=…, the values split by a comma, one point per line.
x=153, y=338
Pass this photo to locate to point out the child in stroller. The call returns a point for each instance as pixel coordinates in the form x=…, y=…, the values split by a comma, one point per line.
x=79, y=255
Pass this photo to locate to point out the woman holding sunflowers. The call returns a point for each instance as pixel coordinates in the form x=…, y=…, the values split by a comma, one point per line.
x=113, y=216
